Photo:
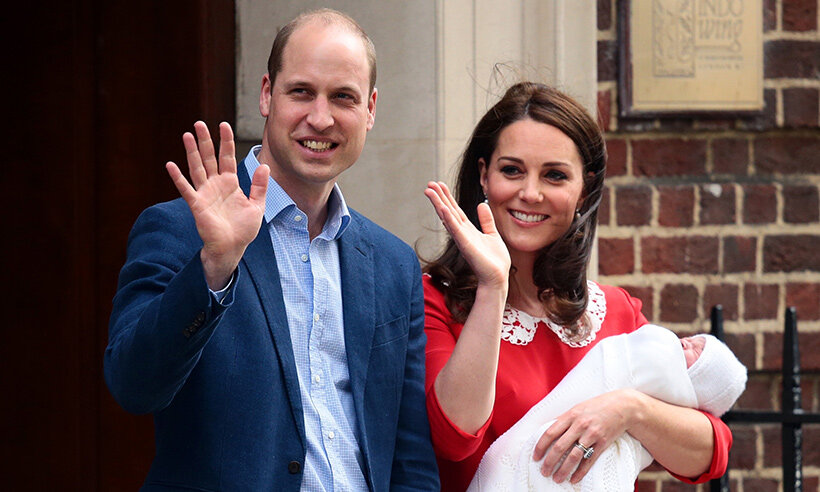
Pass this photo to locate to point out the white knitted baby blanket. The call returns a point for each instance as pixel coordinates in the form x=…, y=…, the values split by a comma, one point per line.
x=649, y=359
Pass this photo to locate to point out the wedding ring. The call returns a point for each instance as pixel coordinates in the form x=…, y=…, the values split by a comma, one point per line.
x=588, y=451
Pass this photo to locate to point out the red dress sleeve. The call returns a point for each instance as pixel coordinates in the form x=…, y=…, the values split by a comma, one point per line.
x=449, y=441
x=720, y=455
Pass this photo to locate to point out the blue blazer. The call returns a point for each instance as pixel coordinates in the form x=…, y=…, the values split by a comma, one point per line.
x=221, y=382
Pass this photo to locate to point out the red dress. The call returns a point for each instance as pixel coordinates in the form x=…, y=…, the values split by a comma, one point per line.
x=526, y=373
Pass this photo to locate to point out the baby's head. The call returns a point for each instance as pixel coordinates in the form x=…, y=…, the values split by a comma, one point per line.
x=692, y=348
x=718, y=377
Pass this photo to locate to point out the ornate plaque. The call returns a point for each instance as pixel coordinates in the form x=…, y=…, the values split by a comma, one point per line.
x=685, y=56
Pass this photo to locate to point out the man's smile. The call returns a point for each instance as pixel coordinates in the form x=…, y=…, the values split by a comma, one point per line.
x=317, y=146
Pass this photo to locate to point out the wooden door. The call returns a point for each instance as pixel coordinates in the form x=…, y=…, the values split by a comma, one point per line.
x=97, y=95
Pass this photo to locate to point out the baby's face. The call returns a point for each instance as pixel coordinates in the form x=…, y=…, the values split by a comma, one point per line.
x=692, y=348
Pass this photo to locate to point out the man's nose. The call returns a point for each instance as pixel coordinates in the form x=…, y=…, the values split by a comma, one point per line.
x=320, y=116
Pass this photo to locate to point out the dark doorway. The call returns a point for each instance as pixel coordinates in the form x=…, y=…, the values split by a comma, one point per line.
x=97, y=97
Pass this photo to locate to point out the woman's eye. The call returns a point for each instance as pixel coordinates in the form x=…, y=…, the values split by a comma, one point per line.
x=510, y=170
x=556, y=175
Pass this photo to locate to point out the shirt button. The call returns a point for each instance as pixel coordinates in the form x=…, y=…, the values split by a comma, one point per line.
x=317, y=379
x=331, y=435
x=316, y=317
x=304, y=257
x=298, y=218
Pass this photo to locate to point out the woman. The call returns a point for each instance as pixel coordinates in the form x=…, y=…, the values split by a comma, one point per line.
x=509, y=310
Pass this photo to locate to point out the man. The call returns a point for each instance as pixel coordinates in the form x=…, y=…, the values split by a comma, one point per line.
x=289, y=356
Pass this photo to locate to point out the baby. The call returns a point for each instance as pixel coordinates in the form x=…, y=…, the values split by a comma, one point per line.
x=697, y=372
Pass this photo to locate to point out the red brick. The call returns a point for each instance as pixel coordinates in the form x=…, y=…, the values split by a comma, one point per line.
x=645, y=294
x=811, y=451
x=668, y=157
x=761, y=485
x=743, y=345
x=739, y=254
x=799, y=15
x=604, y=108
x=759, y=204
x=716, y=123
x=616, y=157
x=808, y=344
x=603, y=208
x=717, y=204
x=800, y=204
x=807, y=388
x=633, y=205
x=679, y=303
x=742, y=455
x=690, y=254
x=765, y=119
x=675, y=486
x=806, y=298
x=645, y=486
x=758, y=393
x=787, y=155
x=616, y=256
x=676, y=206
x=772, y=457
x=761, y=301
x=791, y=253
x=800, y=107
x=723, y=294
x=791, y=59
x=604, y=14
x=811, y=483
x=809, y=350
x=730, y=156
x=773, y=352
x=607, y=60
x=769, y=15
x=676, y=125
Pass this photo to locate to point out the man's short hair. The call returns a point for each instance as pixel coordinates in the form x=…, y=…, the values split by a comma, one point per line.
x=329, y=17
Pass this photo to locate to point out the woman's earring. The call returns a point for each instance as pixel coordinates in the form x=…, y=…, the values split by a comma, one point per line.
x=487, y=201
x=577, y=215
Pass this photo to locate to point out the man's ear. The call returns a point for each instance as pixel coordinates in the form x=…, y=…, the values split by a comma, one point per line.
x=371, y=109
x=265, y=96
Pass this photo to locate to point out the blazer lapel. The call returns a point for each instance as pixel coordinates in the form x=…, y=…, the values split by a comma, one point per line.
x=260, y=262
x=358, y=297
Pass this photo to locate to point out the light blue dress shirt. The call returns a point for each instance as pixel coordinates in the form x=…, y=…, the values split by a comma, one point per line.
x=311, y=284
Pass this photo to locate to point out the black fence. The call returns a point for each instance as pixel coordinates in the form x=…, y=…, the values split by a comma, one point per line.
x=791, y=417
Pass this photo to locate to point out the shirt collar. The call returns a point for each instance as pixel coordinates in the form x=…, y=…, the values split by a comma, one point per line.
x=278, y=201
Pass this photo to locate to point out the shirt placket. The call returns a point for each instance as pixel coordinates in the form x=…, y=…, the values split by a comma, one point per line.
x=320, y=370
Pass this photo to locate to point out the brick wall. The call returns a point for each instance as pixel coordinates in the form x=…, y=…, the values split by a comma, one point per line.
x=705, y=211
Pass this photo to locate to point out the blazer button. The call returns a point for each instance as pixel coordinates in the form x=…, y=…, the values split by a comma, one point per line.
x=294, y=467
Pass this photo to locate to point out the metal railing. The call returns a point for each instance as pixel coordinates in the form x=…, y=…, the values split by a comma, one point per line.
x=791, y=416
